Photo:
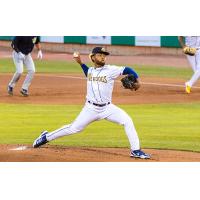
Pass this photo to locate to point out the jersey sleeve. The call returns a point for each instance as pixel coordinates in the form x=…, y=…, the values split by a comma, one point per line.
x=85, y=69
x=15, y=43
x=116, y=71
x=129, y=70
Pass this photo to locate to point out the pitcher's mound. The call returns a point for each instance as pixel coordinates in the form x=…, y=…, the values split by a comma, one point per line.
x=51, y=153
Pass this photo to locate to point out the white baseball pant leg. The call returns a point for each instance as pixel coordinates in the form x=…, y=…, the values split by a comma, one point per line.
x=195, y=63
x=119, y=116
x=19, y=69
x=111, y=113
x=192, y=62
x=85, y=117
x=28, y=61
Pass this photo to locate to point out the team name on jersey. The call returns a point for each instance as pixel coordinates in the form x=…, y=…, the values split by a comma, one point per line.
x=97, y=78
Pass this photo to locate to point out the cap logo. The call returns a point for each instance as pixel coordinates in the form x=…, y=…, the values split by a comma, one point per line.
x=103, y=49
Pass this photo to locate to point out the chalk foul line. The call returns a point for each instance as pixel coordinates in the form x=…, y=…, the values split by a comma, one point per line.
x=144, y=83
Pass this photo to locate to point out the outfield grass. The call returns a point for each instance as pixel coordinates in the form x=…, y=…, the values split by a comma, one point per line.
x=166, y=126
x=6, y=65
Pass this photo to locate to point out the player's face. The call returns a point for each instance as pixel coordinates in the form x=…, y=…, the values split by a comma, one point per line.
x=99, y=59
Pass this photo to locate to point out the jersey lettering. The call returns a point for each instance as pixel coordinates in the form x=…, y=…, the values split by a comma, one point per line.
x=98, y=78
x=100, y=82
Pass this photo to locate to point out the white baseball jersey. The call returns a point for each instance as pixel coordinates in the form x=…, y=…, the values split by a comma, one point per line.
x=192, y=41
x=100, y=82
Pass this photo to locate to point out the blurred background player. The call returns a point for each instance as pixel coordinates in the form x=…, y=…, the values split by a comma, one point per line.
x=194, y=60
x=22, y=48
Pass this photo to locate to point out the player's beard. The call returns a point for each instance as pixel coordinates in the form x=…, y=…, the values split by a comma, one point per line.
x=100, y=63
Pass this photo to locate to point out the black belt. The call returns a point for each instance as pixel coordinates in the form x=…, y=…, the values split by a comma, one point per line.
x=99, y=105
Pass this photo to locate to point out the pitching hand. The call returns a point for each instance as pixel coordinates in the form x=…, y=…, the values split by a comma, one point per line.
x=77, y=57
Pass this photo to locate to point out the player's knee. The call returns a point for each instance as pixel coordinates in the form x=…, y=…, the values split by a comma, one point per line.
x=127, y=121
x=76, y=129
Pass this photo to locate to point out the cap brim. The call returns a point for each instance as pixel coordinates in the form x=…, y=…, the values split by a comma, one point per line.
x=102, y=52
x=106, y=53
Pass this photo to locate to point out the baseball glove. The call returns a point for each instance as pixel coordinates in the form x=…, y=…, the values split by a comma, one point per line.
x=189, y=51
x=130, y=82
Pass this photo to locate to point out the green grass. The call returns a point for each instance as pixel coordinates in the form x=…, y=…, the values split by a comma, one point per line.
x=163, y=71
x=165, y=126
x=6, y=65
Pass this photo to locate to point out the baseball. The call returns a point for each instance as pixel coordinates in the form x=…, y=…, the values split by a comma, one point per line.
x=76, y=54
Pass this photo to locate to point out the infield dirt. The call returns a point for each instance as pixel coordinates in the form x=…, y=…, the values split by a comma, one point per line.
x=50, y=153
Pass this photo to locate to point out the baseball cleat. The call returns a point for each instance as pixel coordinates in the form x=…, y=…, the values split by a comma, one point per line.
x=139, y=154
x=10, y=90
x=24, y=92
x=41, y=140
x=187, y=89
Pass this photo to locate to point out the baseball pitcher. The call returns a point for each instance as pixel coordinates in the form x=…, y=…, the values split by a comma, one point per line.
x=191, y=47
x=22, y=48
x=98, y=106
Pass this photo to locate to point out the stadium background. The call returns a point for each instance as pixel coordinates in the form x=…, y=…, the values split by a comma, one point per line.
x=128, y=45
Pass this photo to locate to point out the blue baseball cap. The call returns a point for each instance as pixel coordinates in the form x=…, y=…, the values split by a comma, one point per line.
x=101, y=50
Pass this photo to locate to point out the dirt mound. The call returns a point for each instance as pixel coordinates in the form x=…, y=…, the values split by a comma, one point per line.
x=51, y=153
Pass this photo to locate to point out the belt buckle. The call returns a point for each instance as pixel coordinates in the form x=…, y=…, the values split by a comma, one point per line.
x=99, y=105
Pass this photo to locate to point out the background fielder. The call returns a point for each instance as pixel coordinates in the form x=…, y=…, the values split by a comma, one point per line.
x=22, y=48
x=98, y=106
x=194, y=60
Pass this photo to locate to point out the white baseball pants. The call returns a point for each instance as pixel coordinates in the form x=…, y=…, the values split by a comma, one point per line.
x=91, y=113
x=195, y=64
x=19, y=62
